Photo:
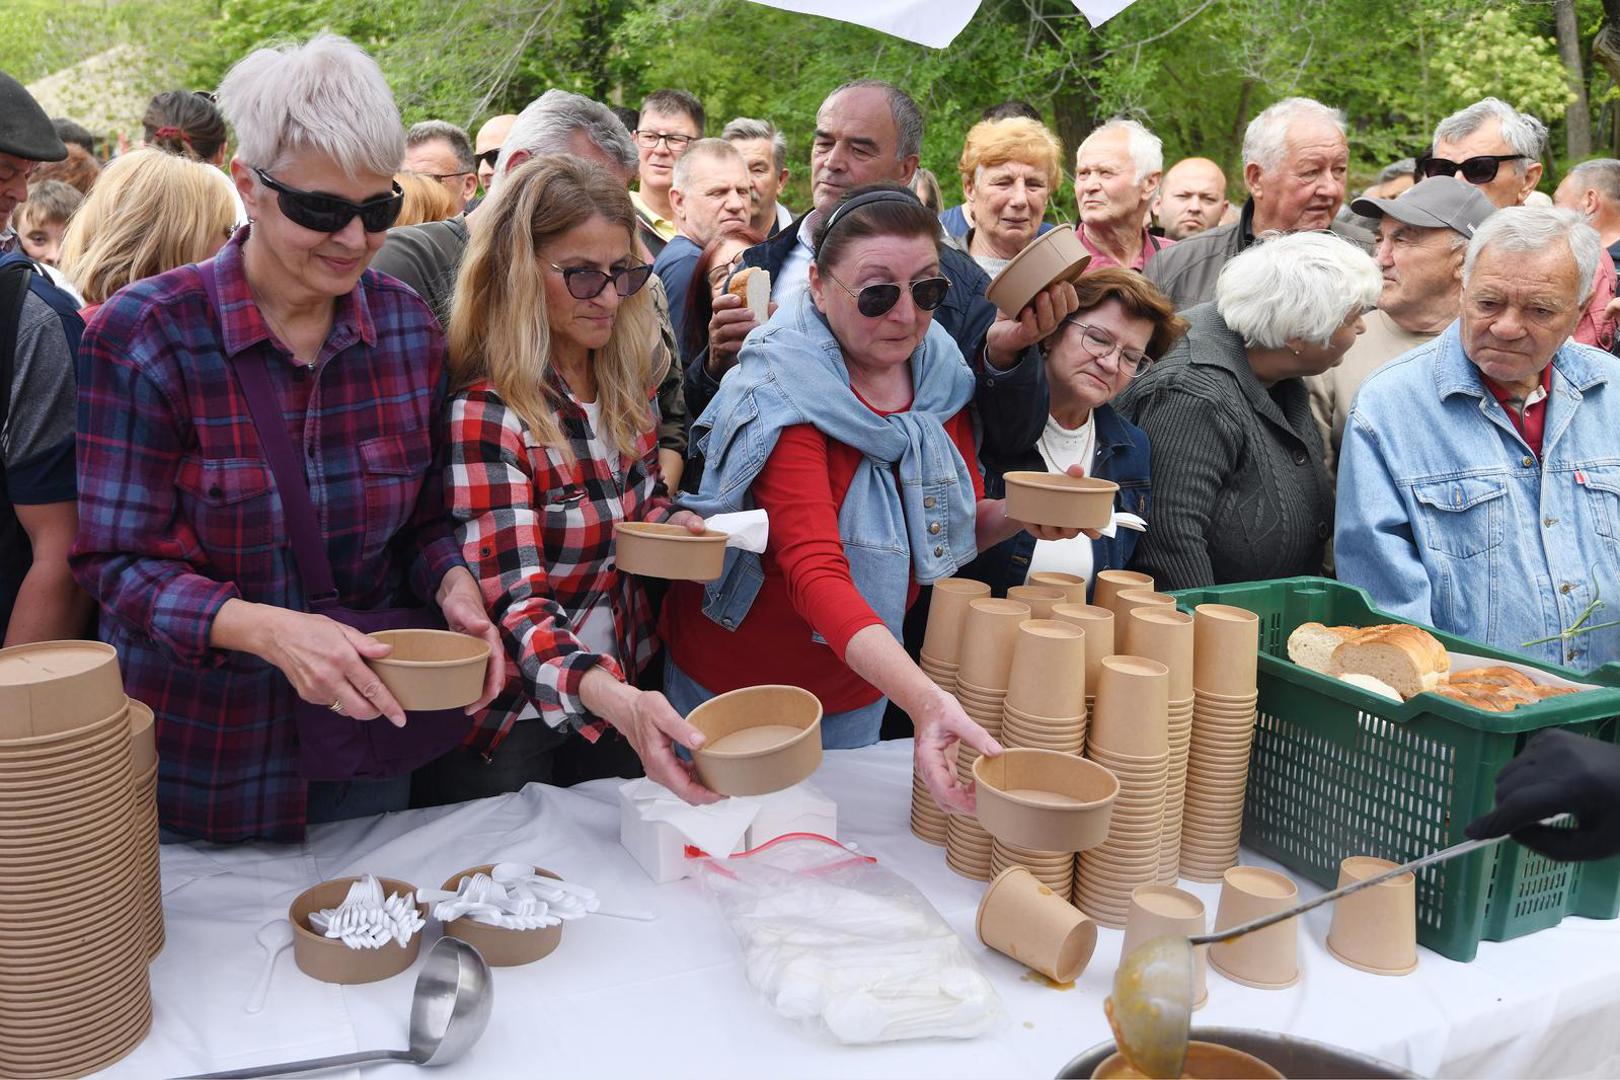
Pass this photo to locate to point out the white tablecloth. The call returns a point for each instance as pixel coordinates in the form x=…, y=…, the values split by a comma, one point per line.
x=668, y=998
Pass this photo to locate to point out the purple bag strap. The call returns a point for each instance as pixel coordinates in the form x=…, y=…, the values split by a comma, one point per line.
x=286, y=464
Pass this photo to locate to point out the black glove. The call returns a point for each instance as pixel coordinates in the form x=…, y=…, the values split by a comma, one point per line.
x=1558, y=773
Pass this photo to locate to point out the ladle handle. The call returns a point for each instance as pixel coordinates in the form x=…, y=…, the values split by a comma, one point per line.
x=1464, y=848
x=291, y=1068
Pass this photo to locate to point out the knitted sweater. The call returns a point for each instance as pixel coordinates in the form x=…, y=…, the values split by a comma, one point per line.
x=1240, y=492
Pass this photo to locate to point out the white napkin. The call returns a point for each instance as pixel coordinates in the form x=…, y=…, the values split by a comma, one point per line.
x=746, y=529
x=1122, y=520
x=715, y=828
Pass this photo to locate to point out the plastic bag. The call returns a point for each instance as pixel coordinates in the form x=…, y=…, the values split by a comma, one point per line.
x=831, y=938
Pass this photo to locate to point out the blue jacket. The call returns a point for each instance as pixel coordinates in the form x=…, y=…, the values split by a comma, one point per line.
x=1122, y=456
x=1446, y=516
x=910, y=511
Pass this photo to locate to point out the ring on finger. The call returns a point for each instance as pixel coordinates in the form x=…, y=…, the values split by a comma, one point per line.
x=336, y=706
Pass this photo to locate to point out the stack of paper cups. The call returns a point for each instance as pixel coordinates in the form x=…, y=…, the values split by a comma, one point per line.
x=940, y=661
x=989, y=638
x=1072, y=586
x=1054, y=869
x=1045, y=705
x=1166, y=635
x=1225, y=650
x=1110, y=583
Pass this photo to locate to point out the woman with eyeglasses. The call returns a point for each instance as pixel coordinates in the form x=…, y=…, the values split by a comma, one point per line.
x=846, y=421
x=1122, y=326
x=1240, y=490
x=256, y=436
x=553, y=441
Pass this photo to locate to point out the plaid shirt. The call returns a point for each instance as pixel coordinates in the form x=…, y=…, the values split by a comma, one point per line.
x=537, y=532
x=178, y=513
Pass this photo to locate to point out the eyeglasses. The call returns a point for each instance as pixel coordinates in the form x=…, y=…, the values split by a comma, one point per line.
x=488, y=156
x=441, y=177
x=878, y=300
x=587, y=283
x=1100, y=343
x=674, y=140
x=1475, y=170
x=328, y=213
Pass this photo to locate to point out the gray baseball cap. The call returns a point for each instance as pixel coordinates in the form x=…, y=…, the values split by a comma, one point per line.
x=1440, y=202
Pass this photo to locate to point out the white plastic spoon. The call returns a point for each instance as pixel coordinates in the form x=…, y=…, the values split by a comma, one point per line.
x=273, y=937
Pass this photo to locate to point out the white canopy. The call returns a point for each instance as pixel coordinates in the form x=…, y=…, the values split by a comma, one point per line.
x=927, y=22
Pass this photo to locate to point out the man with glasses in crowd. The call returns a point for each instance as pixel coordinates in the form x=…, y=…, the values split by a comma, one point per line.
x=441, y=151
x=670, y=121
x=487, y=146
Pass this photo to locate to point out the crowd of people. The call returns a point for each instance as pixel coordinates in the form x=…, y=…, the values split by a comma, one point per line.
x=291, y=370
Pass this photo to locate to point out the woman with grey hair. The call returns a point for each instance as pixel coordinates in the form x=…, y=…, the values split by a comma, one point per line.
x=1240, y=492
x=256, y=480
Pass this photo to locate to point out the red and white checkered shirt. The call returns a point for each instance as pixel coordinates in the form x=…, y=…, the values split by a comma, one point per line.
x=536, y=529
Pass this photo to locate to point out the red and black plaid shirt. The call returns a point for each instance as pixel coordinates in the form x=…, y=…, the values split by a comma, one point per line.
x=178, y=513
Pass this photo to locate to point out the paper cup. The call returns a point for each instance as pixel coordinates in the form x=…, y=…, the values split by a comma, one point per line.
x=1375, y=930
x=1041, y=600
x=989, y=637
x=500, y=946
x=432, y=669
x=1227, y=651
x=1110, y=583
x=1044, y=801
x=1128, y=600
x=1072, y=586
x=759, y=739
x=947, y=615
x=1162, y=911
x=1166, y=635
x=1098, y=623
x=668, y=551
x=1048, y=673
x=1266, y=959
x=1021, y=918
x=1131, y=716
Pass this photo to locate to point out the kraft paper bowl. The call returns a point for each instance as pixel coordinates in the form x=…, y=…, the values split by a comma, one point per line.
x=1054, y=256
x=432, y=669
x=500, y=946
x=53, y=687
x=1022, y=918
x=758, y=739
x=1043, y=800
x=1059, y=500
x=328, y=959
x=1208, y=1061
x=674, y=552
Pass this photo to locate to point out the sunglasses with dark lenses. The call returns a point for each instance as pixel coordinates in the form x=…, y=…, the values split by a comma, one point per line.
x=876, y=300
x=488, y=157
x=328, y=213
x=1475, y=170
x=587, y=283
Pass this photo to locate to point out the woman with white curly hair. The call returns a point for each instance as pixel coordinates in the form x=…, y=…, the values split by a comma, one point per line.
x=1240, y=491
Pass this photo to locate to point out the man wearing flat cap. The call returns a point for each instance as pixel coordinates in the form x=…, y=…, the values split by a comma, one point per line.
x=1421, y=237
x=39, y=334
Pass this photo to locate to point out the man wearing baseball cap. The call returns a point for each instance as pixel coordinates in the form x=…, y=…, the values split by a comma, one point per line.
x=39, y=333
x=1422, y=235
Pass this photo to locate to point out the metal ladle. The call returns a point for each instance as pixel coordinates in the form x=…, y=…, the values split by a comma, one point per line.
x=449, y=1011
x=1151, y=1006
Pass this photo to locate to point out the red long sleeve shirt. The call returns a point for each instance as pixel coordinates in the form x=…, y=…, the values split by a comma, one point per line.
x=807, y=585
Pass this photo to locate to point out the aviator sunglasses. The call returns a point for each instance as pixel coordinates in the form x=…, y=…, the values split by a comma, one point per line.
x=1475, y=170
x=330, y=214
x=879, y=299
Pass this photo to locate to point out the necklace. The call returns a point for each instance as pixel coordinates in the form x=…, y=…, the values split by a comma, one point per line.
x=280, y=331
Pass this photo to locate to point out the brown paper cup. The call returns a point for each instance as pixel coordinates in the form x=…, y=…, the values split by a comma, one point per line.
x=1098, y=623
x=1021, y=918
x=499, y=946
x=1227, y=649
x=989, y=638
x=1041, y=600
x=947, y=615
x=432, y=669
x=1044, y=801
x=1160, y=911
x=1131, y=716
x=1128, y=600
x=1266, y=959
x=1110, y=583
x=1072, y=586
x=328, y=959
x=760, y=739
x=1048, y=674
x=1165, y=635
x=1375, y=930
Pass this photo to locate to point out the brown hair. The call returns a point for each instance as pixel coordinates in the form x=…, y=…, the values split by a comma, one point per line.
x=49, y=201
x=78, y=170
x=1140, y=300
x=425, y=199
x=893, y=217
x=185, y=122
x=699, y=296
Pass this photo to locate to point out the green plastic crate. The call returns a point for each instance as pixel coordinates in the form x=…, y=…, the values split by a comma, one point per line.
x=1337, y=771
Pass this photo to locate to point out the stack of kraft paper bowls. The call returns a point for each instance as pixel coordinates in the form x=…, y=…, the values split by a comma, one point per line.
x=74, y=995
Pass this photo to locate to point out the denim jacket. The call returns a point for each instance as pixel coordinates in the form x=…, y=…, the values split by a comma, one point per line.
x=910, y=511
x=1122, y=456
x=1446, y=516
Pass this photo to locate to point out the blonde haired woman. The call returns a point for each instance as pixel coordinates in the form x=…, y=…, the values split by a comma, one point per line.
x=552, y=441
x=1009, y=170
x=150, y=212
x=425, y=199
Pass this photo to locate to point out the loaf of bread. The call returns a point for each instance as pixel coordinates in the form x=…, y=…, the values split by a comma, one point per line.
x=1477, y=696
x=1405, y=658
x=1499, y=675
x=753, y=285
x=1498, y=689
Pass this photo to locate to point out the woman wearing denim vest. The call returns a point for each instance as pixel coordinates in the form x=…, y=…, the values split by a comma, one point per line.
x=1123, y=325
x=846, y=422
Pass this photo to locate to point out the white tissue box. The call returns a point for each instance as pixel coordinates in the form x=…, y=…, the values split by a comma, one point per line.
x=658, y=847
x=800, y=808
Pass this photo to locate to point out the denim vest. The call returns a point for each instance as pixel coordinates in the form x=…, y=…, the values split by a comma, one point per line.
x=920, y=525
x=1447, y=517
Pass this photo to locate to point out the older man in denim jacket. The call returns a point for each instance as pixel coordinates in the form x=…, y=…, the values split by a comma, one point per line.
x=1479, y=485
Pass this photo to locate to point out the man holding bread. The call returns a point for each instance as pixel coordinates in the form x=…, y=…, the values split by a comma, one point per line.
x=712, y=190
x=1479, y=488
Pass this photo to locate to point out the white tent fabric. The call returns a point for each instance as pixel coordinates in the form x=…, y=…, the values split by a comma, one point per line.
x=928, y=22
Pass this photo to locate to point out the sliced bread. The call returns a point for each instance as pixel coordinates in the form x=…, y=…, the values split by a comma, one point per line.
x=1403, y=657
x=1312, y=644
x=1371, y=685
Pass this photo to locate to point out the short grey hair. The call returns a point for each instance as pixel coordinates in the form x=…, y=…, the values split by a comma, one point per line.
x=1299, y=285
x=443, y=130
x=1600, y=174
x=1396, y=169
x=701, y=150
x=1524, y=133
x=1265, y=141
x=746, y=127
x=548, y=126
x=1536, y=228
x=1146, y=148
x=908, y=119
x=325, y=97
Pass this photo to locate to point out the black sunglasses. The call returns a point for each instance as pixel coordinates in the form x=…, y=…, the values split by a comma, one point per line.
x=587, y=283
x=1475, y=170
x=877, y=300
x=488, y=157
x=328, y=213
